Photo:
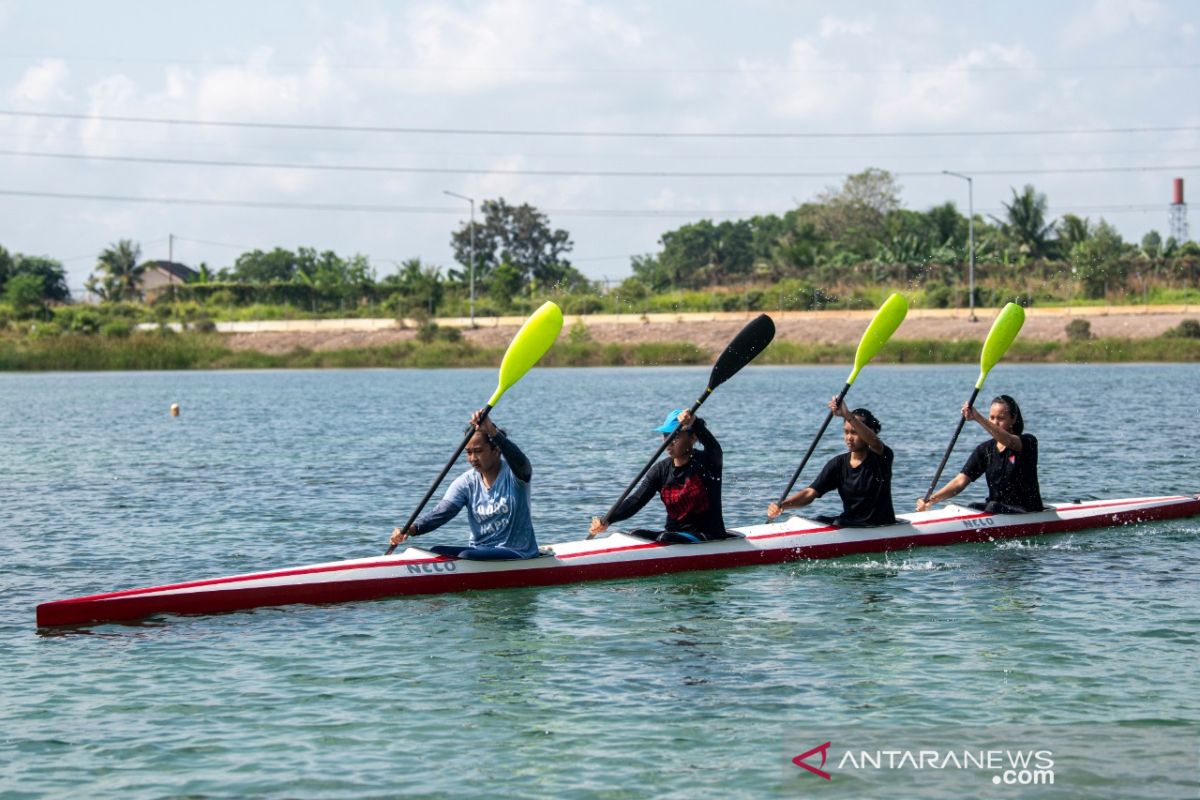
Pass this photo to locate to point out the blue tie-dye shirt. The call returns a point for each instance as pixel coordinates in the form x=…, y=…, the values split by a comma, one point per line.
x=499, y=516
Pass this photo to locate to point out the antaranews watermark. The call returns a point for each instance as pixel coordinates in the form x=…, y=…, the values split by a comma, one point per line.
x=1138, y=760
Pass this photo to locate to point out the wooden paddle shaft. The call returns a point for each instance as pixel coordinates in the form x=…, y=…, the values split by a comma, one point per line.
x=961, y=421
x=441, y=475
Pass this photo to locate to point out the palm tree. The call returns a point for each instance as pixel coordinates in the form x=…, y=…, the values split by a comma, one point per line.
x=1072, y=231
x=122, y=272
x=1027, y=222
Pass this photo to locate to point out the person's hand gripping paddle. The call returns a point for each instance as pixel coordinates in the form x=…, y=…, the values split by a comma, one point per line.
x=525, y=350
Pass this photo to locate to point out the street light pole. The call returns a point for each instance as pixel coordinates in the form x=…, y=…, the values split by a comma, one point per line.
x=971, y=233
x=470, y=200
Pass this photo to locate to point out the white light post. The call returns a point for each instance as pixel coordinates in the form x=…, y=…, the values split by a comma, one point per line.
x=971, y=233
x=470, y=200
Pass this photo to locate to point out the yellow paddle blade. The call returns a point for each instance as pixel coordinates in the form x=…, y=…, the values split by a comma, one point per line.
x=887, y=319
x=1006, y=327
x=528, y=346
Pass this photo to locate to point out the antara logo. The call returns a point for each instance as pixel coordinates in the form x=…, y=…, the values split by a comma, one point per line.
x=823, y=749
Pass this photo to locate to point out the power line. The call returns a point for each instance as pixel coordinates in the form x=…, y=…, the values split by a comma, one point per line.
x=377, y=168
x=297, y=126
x=919, y=69
x=230, y=245
x=562, y=212
x=941, y=155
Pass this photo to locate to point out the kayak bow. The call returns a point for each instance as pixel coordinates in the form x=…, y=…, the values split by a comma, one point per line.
x=619, y=555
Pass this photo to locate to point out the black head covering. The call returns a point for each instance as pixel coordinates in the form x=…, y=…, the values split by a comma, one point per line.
x=1014, y=411
x=868, y=419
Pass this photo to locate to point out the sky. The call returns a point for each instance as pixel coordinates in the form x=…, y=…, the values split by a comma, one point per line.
x=340, y=126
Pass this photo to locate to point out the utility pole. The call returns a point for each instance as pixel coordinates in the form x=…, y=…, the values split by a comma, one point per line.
x=470, y=200
x=971, y=233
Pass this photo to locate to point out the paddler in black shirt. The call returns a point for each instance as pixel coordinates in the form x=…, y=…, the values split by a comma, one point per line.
x=1009, y=459
x=689, y=481
x=862, y=475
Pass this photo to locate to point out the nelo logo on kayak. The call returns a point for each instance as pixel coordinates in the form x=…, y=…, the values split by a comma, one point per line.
x=432, y=567
x=982, y=522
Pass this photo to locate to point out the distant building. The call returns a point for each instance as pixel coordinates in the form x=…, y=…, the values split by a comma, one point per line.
x=158, y=275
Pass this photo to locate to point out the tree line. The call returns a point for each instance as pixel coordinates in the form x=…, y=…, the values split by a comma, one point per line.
x=850, y=237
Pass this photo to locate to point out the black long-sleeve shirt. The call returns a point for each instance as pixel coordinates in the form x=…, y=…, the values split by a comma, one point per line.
x=691, y=493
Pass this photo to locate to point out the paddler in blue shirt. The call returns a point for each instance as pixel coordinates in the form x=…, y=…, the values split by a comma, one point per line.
x=495, y=492
x=1009, y=459
x=862, y=476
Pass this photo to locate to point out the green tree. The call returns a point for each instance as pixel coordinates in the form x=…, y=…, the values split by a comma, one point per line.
x=50, y=272
x=6, y=267
x=1025, y=222
x=854, y=214
x=946, y=226
x=1186, y=262
x=700, y=254
x=652, y=272
x=505, y=283
x=1152, y=245
x=419, y=286
x=277, y=266
x=24, y=294
x=121, y=272
x=1098, y=261
x=1073, y=230
x=204, y=274
x=520, y=236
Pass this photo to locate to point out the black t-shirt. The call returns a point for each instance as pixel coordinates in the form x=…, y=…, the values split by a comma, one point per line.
x=691, y=493
x=866, y=490
x=1011, y=476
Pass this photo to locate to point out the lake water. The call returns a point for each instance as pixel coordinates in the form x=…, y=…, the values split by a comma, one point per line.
x=682, y=686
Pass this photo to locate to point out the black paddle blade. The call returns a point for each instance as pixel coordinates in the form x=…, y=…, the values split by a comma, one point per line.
x=749, y=342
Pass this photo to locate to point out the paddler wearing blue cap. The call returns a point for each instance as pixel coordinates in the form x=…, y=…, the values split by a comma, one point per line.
x=688, y=480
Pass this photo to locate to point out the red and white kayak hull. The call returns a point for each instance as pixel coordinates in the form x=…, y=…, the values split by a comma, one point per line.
x=418, y=571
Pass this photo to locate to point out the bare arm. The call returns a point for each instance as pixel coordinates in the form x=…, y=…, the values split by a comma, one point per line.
x=798, y=500
x=872, y=440
x=953, y=487
x=1010, y=441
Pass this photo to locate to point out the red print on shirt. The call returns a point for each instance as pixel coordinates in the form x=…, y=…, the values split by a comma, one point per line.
x=690, y=497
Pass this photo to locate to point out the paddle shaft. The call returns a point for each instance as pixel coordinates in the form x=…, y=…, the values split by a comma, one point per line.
x=812, y=447
x=441, y=475
x=666, y=441
x=961, y=421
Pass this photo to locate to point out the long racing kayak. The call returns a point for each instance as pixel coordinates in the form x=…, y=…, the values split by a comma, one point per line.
x=618, y=555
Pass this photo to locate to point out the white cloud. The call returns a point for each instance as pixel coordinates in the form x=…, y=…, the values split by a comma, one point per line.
x=1105, y=19
x=509, y=42
x=955, y=92
x=831, y=26
x=43, y=84
x=806, y=85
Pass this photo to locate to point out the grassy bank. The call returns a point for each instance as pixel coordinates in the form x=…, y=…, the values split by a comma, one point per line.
x=207, y=351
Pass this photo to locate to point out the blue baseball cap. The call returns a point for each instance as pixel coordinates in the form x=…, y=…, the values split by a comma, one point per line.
x=671, y=422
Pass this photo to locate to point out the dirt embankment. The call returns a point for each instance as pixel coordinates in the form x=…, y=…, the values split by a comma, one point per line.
x=713, y=331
